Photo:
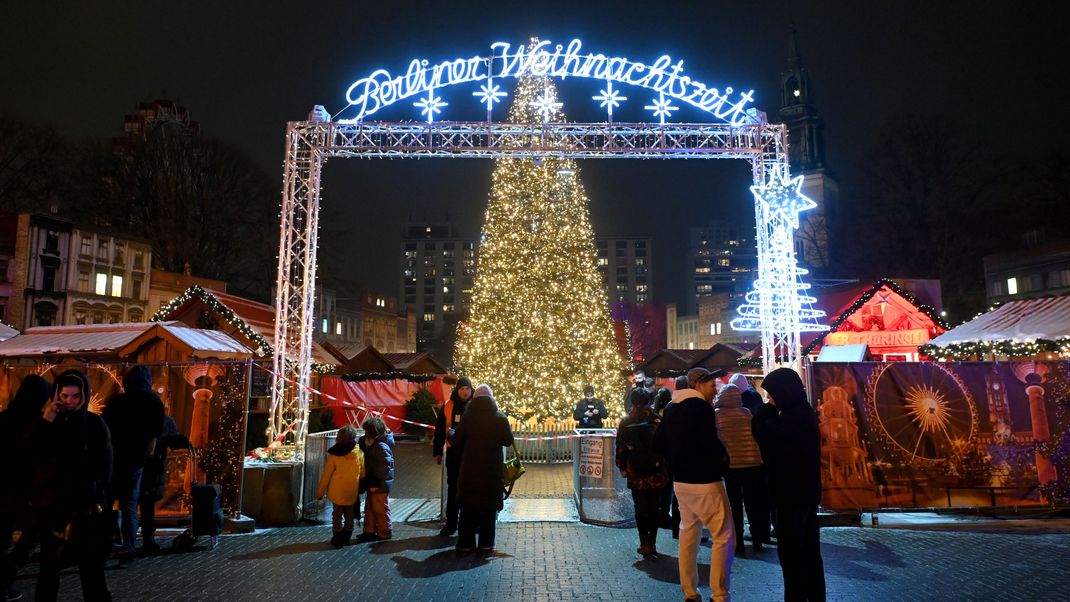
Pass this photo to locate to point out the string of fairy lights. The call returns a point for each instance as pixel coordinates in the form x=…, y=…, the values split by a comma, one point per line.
x=196, y=292
x=539, y=330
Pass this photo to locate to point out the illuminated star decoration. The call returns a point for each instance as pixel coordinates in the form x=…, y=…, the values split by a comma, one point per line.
x=490, y=94
x=661, y=108
x=610, y=98
x=430, y=105
x=546, y=105
x=781, y=195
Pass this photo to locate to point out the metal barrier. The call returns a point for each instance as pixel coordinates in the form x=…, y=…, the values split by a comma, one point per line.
x=602, y=495
x=549, y=451
x=316, y=446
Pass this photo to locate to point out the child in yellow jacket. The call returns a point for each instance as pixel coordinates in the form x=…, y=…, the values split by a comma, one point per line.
x=341, y=482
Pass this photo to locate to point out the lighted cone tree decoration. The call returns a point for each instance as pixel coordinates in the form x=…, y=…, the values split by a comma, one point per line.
x=778, y=305
x=539, y=329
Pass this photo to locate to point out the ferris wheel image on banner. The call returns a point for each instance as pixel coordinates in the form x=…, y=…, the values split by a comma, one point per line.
x=922, y=411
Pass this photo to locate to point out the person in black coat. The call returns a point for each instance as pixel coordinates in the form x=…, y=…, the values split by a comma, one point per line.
x=448, y=419
x=135, y=419
x=23, y=411
x=71, y=455
x=590, y=411
x=154, y=480
x=482, y=435
x=787, y=433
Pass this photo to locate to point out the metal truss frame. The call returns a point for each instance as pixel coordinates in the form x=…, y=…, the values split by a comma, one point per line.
x=310, y=143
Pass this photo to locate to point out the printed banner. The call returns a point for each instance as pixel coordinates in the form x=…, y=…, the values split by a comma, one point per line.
x=928, y=434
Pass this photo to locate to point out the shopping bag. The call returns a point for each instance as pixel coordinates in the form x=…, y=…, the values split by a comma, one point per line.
x=514, y=469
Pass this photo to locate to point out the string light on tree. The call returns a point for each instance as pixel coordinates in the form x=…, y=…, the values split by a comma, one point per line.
x=539, y=329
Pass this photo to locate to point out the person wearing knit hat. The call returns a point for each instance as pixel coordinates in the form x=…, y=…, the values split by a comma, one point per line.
x=744, y=480
x=698, y=461
x=448, y=420
x=590, y=411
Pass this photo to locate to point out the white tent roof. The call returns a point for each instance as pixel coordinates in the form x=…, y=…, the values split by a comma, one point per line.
x=1025, y=320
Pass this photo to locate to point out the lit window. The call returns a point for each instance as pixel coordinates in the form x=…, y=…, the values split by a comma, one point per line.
x=713, y=329
x=116, y=286
x=603, y=261
x=722, y=262
x=101, y=285
x=429, y=317
x=1012, y=286
x=718, y=328
x=338, y=328
x=325, y=325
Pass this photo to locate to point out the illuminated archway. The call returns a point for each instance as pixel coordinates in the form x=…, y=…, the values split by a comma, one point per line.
x=777, y=307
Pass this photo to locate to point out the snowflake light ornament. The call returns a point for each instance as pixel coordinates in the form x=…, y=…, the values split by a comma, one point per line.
x=661, y=107
x=782, y=196
x=546, y=104
x=490, y=94
x=430, y=105
x=609, y=98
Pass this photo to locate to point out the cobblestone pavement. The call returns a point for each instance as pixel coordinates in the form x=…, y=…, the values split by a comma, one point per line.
x=417, y=475
x=571, y=561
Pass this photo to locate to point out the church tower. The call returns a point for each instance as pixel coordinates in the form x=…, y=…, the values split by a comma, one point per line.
x=806, y=152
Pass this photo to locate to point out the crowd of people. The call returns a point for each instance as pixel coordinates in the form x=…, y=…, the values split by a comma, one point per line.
x=700, y=457
x=470, y=436
x=704, y=454
x=66, y=468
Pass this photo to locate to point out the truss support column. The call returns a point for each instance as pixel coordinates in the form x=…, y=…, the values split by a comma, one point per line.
x=296, y=284
x=779, y=315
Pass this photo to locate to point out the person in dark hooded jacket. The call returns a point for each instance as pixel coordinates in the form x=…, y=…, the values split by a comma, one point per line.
x=482, y=435
x=787, y=433
x=449, y=419
x=135, y=419
x=378, y=447
x=71, y=454
x=23, y=411
x=154, y=481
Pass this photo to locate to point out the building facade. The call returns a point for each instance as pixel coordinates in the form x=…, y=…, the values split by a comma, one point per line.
x=42, y=257
x=165, y=286
x=722, y=260
x=108, y=280
x=626, y=265
x=438, y=266
x=806, y=154
x=365, y=318
x=1039, y=269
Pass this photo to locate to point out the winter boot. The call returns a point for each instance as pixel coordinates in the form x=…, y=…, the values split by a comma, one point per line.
x=644, y=549
x=347, y=537
x=336, y=539
x=653, y=541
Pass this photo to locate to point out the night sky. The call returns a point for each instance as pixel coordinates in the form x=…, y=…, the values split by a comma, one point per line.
x=245, y=68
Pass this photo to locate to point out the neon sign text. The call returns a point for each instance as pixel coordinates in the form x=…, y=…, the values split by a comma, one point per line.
x=665, y=77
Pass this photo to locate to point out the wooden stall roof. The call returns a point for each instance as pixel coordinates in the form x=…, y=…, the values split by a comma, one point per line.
x=257, y=317
x=416, y=363
x=121, y=340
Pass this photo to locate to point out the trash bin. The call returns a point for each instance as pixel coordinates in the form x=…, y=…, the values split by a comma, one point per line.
x=602, y=496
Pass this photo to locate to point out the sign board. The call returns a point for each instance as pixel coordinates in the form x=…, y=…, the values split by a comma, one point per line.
x=591, y=457
x=880, y=338
x=261, y=383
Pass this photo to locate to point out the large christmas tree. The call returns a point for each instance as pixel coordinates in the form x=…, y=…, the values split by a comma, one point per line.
x=539, y=329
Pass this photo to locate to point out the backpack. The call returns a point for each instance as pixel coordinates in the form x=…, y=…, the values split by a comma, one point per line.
x=639, y=440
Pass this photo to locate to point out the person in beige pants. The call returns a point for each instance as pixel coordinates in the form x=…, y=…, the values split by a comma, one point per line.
x=688, y=438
